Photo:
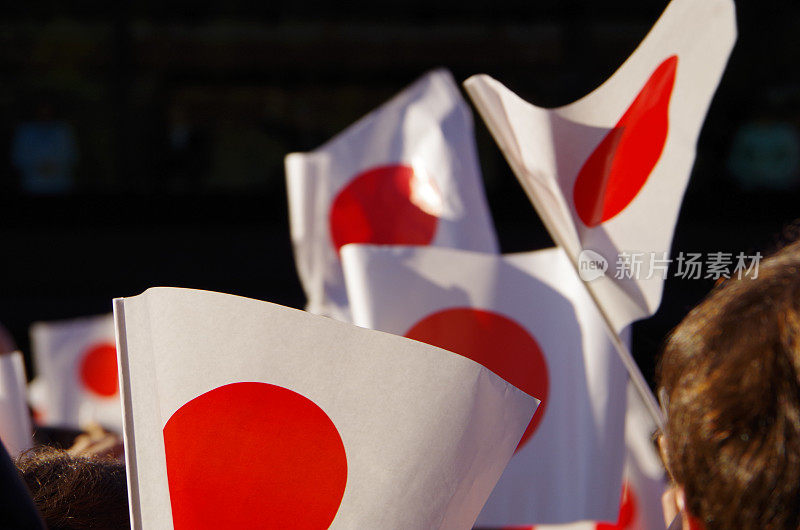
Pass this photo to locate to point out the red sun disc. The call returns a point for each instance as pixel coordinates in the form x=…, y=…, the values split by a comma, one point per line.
x=253, y=455
x=98, y=370
x=619, y=167
x=495, y=341
x=387, y=205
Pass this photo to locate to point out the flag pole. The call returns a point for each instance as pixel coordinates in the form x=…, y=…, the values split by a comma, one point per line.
x=624, y=353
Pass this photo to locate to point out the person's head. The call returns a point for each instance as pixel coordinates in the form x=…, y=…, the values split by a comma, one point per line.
x=76, y=492
x=731, y=375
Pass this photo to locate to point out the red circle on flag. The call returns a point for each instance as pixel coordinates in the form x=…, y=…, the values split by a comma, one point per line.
x=253, y=455
x=386, y=205
x=496, y=342
x=627, y=511
x=619, y=167
x=98, y=370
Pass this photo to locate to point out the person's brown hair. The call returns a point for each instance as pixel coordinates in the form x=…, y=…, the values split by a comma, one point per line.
x=731, y=372
x=76, y=492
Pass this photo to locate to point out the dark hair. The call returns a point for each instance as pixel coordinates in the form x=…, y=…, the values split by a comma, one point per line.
x=76, y=492
x=730, y=371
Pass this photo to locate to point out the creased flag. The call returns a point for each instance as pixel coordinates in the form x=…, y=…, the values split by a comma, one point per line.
x=15, y=420
x=607, y=173
x=77, y=380
x=407, y=173
x=528, y=318
x=245, y=414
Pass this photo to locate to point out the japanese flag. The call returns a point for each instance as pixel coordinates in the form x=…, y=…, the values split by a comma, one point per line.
x=15, y=420
x=528, y=318
x=644, y=472
x=77, y=372
x=407, y=173
x=645, y=482
x=244, y=414
x=607, y=173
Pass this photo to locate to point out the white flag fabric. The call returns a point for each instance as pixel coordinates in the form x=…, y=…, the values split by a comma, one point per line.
x=644, y=472
x=645, y=480
x=38, y=400
x=245, y=414
x=77, y=383
x=407, y=173
x=528, y=318
x=15, y=420
x=607, y=173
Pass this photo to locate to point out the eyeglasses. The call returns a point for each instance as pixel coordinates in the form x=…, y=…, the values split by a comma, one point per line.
x=657, y=438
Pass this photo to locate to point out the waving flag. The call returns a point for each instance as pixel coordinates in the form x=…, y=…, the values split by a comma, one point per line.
x=528, y=318
x=15, y=421
x=607, y=173
x=407, y=173
x=77, y=372
x=244, y=414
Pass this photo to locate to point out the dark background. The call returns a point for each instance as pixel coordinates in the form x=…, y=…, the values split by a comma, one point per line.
x=182, y=113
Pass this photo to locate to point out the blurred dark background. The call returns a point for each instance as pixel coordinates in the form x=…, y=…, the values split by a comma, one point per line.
x=166, y=124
